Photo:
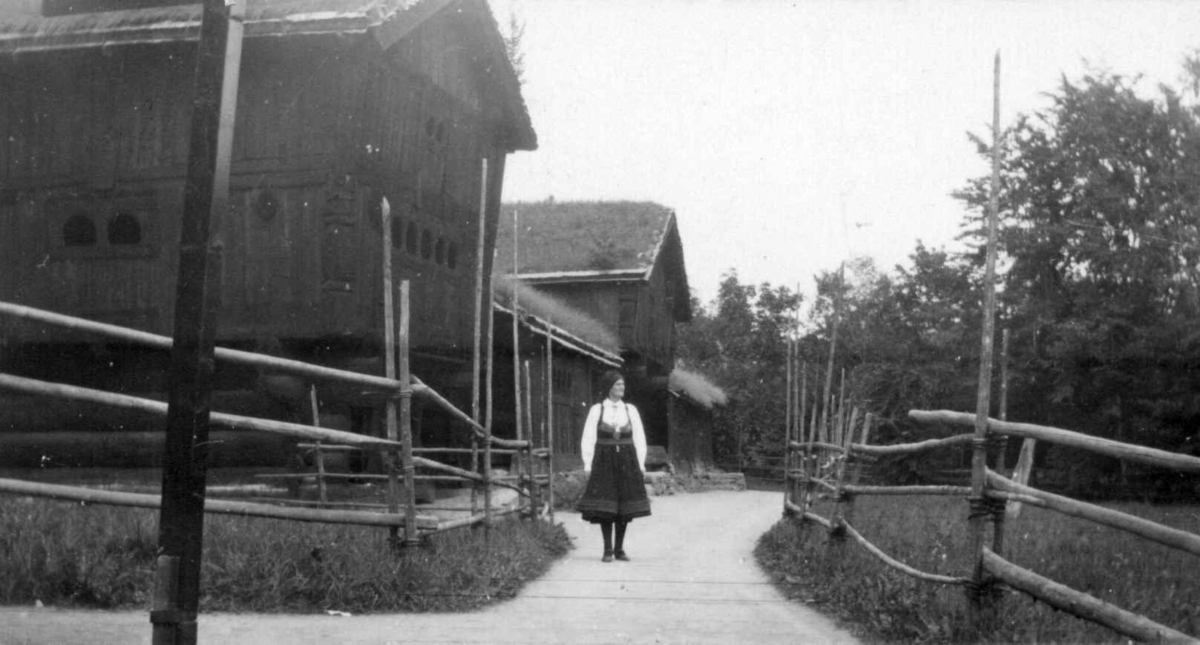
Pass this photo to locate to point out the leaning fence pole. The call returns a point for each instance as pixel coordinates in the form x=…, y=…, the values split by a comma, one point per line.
x=197, y=299
x=406, y=435
x=475, y=362
x=389, y=369
x=979, y=509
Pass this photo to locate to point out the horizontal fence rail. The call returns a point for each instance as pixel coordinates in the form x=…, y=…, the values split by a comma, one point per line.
x=1108, y=447
x=218, y=506
x=329, y=440
x=1154, y=531
x=251, y=359
x=832, y=468
x=1080, y=604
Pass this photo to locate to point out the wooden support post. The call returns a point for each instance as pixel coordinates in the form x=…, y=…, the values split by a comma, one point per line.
x=801, y=434
x=998, y=460
x=978, y=514
x=489, y=344
x=320, y=455
x=389, y=370
x=787, y=432
x=837, y=521
x=477, y=337
x=197, y=299
x=516, y=344
x=550, y=421
x=527, y=452
x=411, y=538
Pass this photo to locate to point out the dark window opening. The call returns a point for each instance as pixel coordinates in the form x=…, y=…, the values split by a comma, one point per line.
x=124, y=229
x=397, y=233
x=426, y=244
x=79, y=230
x=410, y=238
x=452, y=256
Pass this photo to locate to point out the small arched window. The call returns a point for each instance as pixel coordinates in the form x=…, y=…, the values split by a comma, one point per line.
x=79, y=230
x=124, y=229
x=452, y=256
x=410, y=238
x=439, y=251
x=426, y=244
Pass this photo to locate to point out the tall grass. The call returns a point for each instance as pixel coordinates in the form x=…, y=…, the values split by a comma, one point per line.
x=930, y=534
x=103, y=557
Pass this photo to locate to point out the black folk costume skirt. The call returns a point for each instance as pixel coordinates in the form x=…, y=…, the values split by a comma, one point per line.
x=616, y=490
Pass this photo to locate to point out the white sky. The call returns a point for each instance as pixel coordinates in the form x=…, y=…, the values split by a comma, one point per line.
x=788, y=136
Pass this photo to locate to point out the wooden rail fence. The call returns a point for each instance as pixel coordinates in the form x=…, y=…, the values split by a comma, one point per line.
x=824, y=468
x=409, y=525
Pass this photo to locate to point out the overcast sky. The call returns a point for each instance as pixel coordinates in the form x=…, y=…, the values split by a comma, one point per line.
x=788, y=136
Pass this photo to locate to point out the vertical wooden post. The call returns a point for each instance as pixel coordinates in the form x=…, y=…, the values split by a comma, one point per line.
x=800, y=430
x=550, y=421
x=406, y=435
x=827, y=399
x=998, y=462
x=787, y=432
x=389, y=368
x=978, y=515
x=516, y=342
x=479, y=304
x=531, y=469
x=487, y=419
x=322, y=494
x=197, y=299
x=837, y=517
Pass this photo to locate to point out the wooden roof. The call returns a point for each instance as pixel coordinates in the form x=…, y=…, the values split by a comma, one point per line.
x=591, y=242
x=386, y=21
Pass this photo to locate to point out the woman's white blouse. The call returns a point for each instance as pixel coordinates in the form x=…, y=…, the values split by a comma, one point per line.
x=614, y=414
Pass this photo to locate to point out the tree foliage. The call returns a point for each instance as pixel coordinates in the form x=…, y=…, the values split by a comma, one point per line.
x=1100, y=222
x=1099, y=242
x=740, y=342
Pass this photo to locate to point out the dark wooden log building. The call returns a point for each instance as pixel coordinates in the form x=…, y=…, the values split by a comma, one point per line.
x=341, y=103
x=621, y=263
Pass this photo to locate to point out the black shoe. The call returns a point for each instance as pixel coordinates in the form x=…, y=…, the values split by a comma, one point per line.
x=608, y=556
x=620, y=555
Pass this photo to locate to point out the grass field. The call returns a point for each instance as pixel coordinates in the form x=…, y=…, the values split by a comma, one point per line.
x=930, y=534
x=68, y=555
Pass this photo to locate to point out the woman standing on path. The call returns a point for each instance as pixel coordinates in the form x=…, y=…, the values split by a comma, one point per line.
x=614, y=457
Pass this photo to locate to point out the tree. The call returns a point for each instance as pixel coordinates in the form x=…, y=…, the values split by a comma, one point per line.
x=740, y=342
x=1100, y=221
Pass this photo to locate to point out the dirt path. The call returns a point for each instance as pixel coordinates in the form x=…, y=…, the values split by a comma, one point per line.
x=692, y=579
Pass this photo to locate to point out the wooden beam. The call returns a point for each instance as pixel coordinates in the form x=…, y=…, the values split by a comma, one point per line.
x=1139, y=454
x=1080, y=604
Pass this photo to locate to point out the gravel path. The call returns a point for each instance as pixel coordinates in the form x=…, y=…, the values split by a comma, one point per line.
x=692, y=579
